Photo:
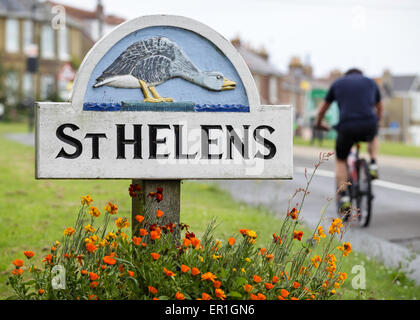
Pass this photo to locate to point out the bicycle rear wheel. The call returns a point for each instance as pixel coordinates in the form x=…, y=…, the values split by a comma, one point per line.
x=364, y=193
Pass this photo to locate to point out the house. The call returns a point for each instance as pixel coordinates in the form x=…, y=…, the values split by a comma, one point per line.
x=274, y=86
x=401, y=95
x=30, y=28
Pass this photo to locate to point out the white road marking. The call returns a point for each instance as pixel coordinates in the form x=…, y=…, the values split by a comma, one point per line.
x=380, y=183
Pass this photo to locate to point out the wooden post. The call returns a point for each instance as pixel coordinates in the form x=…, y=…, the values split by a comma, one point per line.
x=170, y=204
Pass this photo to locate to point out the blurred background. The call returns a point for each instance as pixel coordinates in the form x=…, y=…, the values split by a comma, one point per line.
x=294, y=49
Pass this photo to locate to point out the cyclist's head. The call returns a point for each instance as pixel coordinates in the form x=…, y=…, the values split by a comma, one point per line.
x=353, y=71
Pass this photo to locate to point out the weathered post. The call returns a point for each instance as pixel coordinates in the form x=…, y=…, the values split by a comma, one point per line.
x=170, y=206
x=162, y=99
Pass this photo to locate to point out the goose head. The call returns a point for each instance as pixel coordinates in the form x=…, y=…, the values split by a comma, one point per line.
x=214, y=81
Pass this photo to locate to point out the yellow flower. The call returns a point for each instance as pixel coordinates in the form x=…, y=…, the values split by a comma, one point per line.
x=94, y=212
x=316, y=261
x=122, y=223
x=215, y=257
x=243, y=270
x=248, y=260
x=321, y=232
x=111, y=208
x=89, y=228
x=200, y=258
x=335, y=226
x=86, y=200
x=110, y=235
x=346, y=248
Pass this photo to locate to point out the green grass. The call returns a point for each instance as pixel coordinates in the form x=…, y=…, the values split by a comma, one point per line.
x=385, y=147
x=33, y=214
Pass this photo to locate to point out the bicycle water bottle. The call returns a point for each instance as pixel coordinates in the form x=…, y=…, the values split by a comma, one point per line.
x=351, y=163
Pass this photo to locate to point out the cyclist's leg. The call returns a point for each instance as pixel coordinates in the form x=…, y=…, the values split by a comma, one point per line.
x=343, y=146
x=373, y=149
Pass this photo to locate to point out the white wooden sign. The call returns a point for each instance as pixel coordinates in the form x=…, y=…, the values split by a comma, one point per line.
x=163, y=97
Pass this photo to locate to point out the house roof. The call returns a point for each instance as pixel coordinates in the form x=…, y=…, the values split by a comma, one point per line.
x=403, y=83
x=256, y=63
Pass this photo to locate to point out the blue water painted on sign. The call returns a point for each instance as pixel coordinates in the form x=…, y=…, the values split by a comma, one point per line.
x=200, y=51
x=152, y=107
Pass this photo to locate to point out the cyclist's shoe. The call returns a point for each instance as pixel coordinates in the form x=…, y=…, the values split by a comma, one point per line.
x=373, y=171
x=344, y=204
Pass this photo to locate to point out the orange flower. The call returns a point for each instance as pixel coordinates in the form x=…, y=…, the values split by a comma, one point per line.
x=231, y=241
x=29, y=254
x=195, y=243
x=284, y=293
x=184, y=268
x=205, y=296
x=152, y=290
x=48, y=259
x=269, y=257
x=275, y=279
x=159, y=213
x=155, y=255
x=195, y=271
x=154, y=298
x=256, y=279
x=41, y=291
x=136, y=240
x=155, y=234
x=248, y=287
x=243, y=231
x=186, y=242
x=139, y=218
x=17, y=271
x=130, y=273
x=220, y=294
x=269, y=285
x=92, y=297
x=122, y=223
x=293, y=214
x=18, y=263
x=296, y=285
x=168, y=272
x=294, y=298
x=262, y=251
x=91, y=247
x=69, y=231
x=84, y=272
x=103, y=267
x=217, y=284
x=93, y=284
x=179, y=296
x=143, y=232
x=297, y=235
x=109, y=260
x=208, y=276
x=86, y=200
x=94, y=212
x=93, y=276
x=259, y=296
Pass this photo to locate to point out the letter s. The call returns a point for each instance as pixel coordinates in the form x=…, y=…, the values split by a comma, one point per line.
x=69, y=140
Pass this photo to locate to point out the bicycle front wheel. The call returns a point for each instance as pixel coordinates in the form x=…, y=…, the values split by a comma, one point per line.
x=364, y=193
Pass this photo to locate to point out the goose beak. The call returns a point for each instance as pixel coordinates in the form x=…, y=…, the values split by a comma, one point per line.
x=228, y=85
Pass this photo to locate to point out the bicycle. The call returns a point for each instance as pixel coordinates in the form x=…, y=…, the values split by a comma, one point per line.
x=361, y=185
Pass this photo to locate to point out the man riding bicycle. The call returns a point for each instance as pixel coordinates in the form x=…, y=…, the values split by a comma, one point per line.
x=359, y=102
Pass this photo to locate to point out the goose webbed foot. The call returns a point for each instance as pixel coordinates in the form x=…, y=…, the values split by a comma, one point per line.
x=156, y=97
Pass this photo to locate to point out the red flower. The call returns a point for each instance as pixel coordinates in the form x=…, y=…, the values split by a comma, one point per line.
x=297, y=235
x=133, y=189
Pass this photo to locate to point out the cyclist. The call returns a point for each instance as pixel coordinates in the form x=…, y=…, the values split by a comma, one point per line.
x=360, y=106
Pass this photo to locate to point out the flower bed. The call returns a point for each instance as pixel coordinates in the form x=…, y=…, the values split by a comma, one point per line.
x=158, y=262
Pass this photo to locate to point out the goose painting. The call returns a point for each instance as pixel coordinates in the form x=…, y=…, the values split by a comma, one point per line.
x=148, y=63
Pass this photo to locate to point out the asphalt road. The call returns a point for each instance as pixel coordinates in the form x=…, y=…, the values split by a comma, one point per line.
x=394, y=233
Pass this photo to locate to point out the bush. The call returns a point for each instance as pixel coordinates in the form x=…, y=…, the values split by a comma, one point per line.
x=157, y=263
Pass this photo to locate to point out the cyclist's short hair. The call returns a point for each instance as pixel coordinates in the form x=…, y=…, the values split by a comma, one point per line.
x=353, y=71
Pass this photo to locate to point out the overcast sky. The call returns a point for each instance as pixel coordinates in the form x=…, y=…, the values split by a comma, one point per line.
x=371, y=34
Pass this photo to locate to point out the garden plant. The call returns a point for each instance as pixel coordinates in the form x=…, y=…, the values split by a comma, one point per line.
x=166, y=260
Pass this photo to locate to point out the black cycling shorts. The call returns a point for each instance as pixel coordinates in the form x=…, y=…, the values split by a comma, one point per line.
x=347, y=137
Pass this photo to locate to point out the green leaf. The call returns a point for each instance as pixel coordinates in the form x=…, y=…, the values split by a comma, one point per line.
x=241, y=281
x=235, y=295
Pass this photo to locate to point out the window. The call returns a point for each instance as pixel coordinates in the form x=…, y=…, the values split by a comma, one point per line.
x=273, y=90
x=47, y=86
x=12, y=35
x=47, y=42
x=415, y=110
x=28, y=85
x=28, y=34
x=63, y=44
x=12, y=87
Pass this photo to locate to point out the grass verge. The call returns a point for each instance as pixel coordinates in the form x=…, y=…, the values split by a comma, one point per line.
x=34, y=213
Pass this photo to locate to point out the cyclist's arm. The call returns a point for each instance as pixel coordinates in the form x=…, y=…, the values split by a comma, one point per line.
x=321, y=113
